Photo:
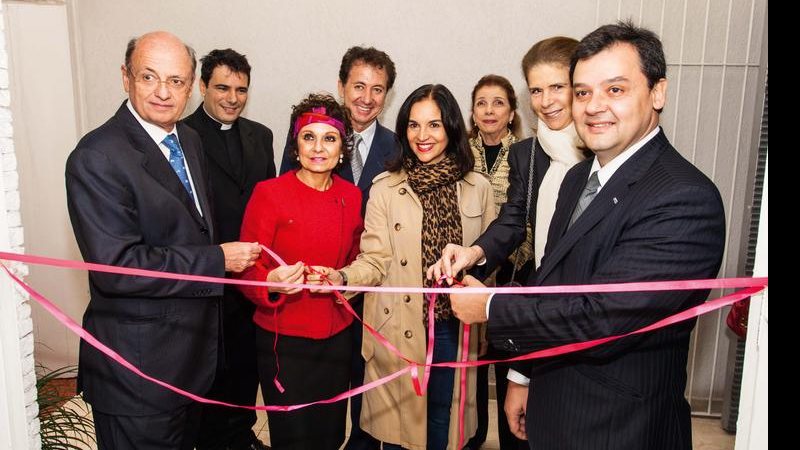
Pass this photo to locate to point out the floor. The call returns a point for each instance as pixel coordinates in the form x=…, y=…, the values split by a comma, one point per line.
x=707, y=433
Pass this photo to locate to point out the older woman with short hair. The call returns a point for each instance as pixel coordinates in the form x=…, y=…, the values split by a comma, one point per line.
x=495, y=128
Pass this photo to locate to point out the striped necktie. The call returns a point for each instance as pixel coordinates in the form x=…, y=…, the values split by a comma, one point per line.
x=588, y=194
x=356, y=162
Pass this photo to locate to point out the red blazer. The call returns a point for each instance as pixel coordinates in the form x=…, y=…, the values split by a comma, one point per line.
x=300, y=223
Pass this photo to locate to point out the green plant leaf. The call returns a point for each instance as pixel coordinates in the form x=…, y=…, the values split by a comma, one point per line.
x=65, y=423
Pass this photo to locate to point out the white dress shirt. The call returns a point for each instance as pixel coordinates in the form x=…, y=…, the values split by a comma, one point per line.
x=157, y=134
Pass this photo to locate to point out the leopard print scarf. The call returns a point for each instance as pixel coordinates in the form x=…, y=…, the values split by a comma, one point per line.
x=435, y=184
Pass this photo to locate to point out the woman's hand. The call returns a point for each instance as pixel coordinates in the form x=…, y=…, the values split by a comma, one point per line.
x=287, y=274
x=322, y=275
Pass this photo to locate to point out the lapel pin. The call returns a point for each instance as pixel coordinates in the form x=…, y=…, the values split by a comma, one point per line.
x=615, y=200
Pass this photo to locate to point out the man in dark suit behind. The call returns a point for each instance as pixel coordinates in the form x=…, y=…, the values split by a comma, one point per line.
x=365, y=77
x=652, y=216
x=239, y=153
x=137, y=192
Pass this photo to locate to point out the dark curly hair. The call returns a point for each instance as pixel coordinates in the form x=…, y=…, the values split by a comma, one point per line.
x=370, y=56
x=235, y=61
x=647, y=44
x=333, y=109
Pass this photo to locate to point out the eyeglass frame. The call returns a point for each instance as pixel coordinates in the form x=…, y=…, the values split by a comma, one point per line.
x=137, y=78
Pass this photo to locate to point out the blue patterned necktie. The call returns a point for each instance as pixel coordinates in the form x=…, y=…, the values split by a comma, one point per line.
x=177, y=162
x=588, y=194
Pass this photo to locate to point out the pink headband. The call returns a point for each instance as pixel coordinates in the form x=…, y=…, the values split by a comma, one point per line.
x=317, y=115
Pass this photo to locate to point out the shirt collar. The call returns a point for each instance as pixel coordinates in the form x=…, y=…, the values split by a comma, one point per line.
x=369, y=134
x=222, y=126
x=155, y=132
x=604, y=173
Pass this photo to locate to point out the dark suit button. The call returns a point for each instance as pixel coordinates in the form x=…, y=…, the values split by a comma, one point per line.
x=403, y=262
x=510, y=346
x=408, y=334
x=397, y=227
x=402, y=191
x=407, y=298
x=386, y=310
x=203, y=230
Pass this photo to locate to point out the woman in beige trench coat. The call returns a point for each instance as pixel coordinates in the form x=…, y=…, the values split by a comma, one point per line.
x=428, y=196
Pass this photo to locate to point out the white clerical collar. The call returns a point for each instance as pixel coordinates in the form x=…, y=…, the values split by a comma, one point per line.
x=604, y=173
x=222, y=126
x=154, y=131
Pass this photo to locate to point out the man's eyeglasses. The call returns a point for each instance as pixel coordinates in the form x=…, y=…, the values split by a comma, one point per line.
x=152, y=81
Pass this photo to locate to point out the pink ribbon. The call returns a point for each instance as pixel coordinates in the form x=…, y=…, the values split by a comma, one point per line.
x=752, y=286
x=644, y=286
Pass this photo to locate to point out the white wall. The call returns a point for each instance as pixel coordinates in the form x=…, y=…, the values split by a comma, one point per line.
x=296, y=47
x=19, y=423
x=44, y=133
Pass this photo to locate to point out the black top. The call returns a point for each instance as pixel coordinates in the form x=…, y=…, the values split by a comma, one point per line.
x=491, y=152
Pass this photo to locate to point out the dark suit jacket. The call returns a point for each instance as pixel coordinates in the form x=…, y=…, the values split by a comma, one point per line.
x=385, y=147
x=229, y=192
x=507, y=231
x=657, y=218
x=128, y=208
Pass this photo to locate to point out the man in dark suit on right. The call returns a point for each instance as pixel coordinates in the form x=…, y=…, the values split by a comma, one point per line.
x=637, y=211
x=366, y=75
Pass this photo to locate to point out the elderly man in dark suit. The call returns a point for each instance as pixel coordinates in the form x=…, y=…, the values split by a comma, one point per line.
x=137, y=191
x=366, y=75
x=637, y=211
x=239, y=153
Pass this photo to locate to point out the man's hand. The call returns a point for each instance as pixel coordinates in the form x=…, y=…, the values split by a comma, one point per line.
x=287, y=274
x=240, y=255
x=455, y=258
x=470, y=308
x=516, y=406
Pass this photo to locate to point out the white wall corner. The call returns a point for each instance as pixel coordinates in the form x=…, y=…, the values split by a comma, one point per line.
x=752, y=428
x=19, y=423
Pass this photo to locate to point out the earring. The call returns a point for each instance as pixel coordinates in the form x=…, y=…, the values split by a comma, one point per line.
x=341, y=158
x=297, y=157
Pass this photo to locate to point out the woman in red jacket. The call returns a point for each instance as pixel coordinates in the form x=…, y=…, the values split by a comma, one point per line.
x=309, y=217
